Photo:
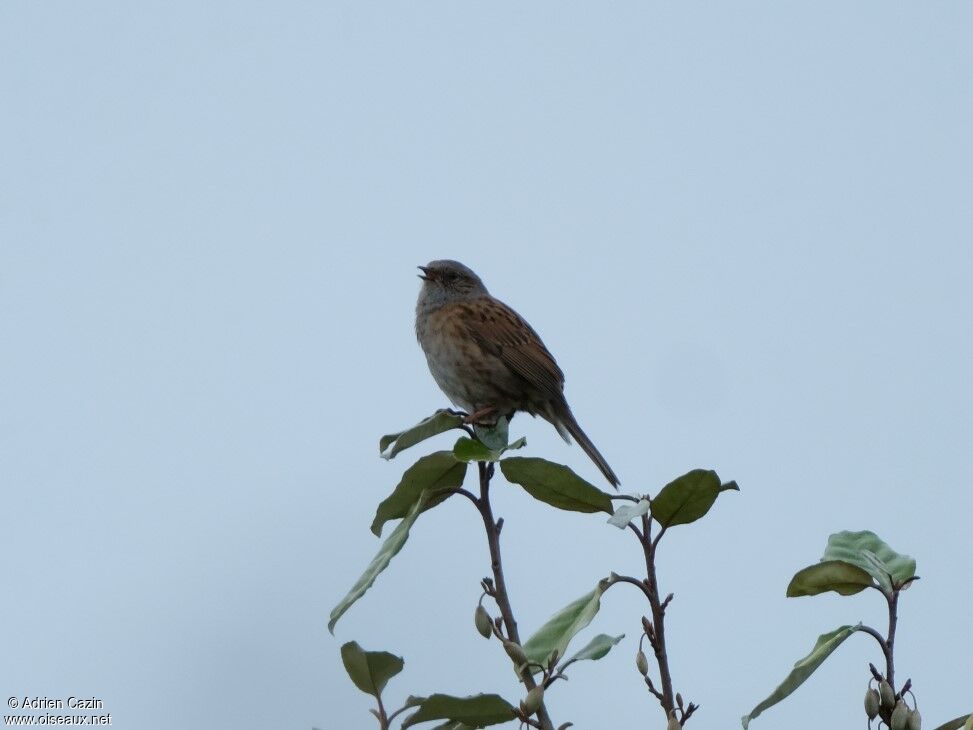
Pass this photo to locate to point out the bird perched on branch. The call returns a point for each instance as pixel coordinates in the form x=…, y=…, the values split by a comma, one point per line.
x=487, y=359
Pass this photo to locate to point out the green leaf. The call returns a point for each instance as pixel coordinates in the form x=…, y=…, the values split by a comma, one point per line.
x=628, y=512
x=494, y=437
x=866, y=550
x=959, y=722
x=437, y=423
x=369, y=670
x=882, y=575
x=450, y=725
x=560, y=628
x=596, y=648
x=687, y=498
x=439, y=470
x=803, y=669
x=555, y=484
x=829, y=575
x=466, y=449
x=476, y=711
x=380, y=562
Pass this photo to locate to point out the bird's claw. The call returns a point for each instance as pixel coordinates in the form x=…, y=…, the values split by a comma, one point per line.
x=481, y=417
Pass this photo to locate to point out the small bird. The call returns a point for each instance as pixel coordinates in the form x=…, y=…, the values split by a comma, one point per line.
x=487, y=359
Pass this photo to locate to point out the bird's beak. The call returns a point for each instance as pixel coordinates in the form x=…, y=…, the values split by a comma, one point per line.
x=425, y=273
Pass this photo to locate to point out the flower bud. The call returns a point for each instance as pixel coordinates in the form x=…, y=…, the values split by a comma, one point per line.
x=915, y=720
x=483, y=623
x=532, y=702
x=516, y=652
x=642, y=663
x=872, y=703
x=886, y=694
x=900, y=716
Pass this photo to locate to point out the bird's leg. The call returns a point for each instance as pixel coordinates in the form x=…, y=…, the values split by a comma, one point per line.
x=478, y=417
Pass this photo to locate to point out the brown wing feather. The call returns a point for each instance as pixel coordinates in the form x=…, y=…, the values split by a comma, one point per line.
x=502, y=332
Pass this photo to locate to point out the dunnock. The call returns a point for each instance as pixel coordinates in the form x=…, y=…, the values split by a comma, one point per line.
x=487, y=359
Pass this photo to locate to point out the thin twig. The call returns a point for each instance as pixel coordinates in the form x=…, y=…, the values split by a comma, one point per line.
x=665, y=603
x=890, y=641
x=397, y=713
x=658, y=615
x=655, y=542
x=383, y=719
x=492, y=527
x=469, y=496
x=879, y=638
x=640, y=584
x=654, y=691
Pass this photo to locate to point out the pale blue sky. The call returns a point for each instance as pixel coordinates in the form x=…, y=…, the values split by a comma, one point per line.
x=744, y=230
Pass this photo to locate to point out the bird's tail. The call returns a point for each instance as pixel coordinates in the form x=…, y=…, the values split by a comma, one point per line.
x=563, y=421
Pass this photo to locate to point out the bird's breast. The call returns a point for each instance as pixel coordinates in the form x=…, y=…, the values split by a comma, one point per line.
x=470, y=377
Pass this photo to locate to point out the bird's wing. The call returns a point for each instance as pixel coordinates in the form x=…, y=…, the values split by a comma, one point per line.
x=500, y=331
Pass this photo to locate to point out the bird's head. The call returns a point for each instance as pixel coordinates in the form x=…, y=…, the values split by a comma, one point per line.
x=450, y=280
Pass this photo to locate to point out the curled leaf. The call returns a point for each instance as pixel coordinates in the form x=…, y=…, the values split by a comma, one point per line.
x=803, y=669
x=829, y=575
x=369, y=670
x=557, y=632
x=437, y=471
x=437, y=423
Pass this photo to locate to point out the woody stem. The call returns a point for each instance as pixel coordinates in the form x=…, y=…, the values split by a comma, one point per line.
x=658, y=613
x=493, y=527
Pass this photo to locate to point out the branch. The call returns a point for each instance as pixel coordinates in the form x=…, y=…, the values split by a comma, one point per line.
x=383, y=718
x=492, y=528
x=658, y=614
x=469, y=496
x=658, y=695
x=398, y=712
x=655, y=542
x=640, y=584
x=893, y=601
x=878, y=637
